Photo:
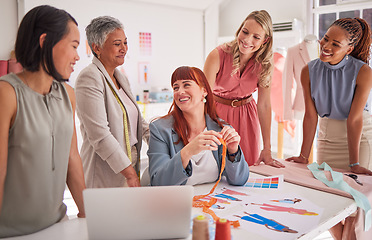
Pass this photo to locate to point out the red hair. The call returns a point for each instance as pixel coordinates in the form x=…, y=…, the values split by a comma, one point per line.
x=359, y=36
x=181, y=126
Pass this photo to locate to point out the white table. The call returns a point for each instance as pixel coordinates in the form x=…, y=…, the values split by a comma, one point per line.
x=335, y=207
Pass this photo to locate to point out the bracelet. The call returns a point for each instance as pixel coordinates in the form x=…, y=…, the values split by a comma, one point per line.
x=353, y=164
x=303, y=156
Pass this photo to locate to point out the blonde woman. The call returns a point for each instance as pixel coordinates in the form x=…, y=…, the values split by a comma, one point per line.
x=237, y=69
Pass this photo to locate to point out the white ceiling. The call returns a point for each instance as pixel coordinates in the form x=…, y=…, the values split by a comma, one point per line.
x=191, y=4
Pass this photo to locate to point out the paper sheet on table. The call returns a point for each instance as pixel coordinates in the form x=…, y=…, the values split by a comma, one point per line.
x=291, y=210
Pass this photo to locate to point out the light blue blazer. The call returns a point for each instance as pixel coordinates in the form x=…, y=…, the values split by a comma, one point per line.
x=165, y=165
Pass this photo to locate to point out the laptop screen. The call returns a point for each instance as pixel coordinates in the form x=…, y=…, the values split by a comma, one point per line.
x=138, y=213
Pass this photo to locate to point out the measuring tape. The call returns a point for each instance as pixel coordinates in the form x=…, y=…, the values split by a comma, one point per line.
x=206, y=205
x=126, y=131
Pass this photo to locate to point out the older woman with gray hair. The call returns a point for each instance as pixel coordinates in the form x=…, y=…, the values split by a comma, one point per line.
x=111, y=123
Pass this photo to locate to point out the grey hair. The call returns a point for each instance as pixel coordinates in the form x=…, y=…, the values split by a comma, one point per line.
x=99, y=28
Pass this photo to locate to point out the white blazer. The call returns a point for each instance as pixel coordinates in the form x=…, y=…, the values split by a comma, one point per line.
x=104, y=152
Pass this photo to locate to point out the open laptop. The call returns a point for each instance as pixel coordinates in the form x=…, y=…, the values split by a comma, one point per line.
x=138, y=213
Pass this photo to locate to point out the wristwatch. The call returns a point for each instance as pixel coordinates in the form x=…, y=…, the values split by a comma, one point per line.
x=233, y=154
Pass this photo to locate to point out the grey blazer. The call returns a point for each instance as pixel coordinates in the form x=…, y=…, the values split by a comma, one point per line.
x=103, y=151
x=165, y=165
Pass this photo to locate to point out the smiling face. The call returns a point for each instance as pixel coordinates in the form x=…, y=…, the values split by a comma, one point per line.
x=65, y=51
x=188, y=95
x=113, y=51
x=334, y=45
x=251, y=37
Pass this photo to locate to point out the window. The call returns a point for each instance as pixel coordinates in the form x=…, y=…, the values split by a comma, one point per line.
x=367, y=15
x=326, y=2
x=350, y=14
x=325, y=12
x=325, y=20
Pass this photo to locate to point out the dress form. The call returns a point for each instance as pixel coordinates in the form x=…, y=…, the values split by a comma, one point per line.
x=297, y=57
x=312, y=46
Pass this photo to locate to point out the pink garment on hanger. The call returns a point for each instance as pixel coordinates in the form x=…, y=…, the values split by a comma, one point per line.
x=297, y=57
x=3, y=67
x=14, y=66
x=276, y=87
x=277, y=96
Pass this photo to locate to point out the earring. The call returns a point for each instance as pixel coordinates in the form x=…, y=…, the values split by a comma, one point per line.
x=204, y=100
x=347, y=57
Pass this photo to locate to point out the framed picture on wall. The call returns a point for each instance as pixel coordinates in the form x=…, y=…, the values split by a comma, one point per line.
x=144, y=72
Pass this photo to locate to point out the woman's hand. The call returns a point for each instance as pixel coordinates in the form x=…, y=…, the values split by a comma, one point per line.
x=204, y=141
x=298, y=159
x=360, y=170
x=131, y=177
x=231, y=138
x=81, y=215
x=265, y=157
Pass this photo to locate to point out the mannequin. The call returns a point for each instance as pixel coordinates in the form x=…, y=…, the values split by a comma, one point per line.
x=293, y=100
x=312, y=46
x=297, y=57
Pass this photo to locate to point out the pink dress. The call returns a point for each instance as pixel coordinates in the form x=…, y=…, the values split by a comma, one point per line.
x=277, y=95
x=243, y=119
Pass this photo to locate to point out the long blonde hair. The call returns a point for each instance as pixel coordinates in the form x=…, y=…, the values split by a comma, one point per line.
x=264, y=55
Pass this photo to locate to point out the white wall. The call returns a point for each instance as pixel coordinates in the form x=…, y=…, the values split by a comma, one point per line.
x=233, y=12
x=177, y=35
x=8, y=27
x=180, y=36
x=211, y=27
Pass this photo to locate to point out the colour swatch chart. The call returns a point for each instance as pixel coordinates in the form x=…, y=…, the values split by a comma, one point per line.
x=145, y=43
x=272, y=182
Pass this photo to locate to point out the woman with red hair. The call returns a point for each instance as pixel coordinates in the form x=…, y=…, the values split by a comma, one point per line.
x=185, y=146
